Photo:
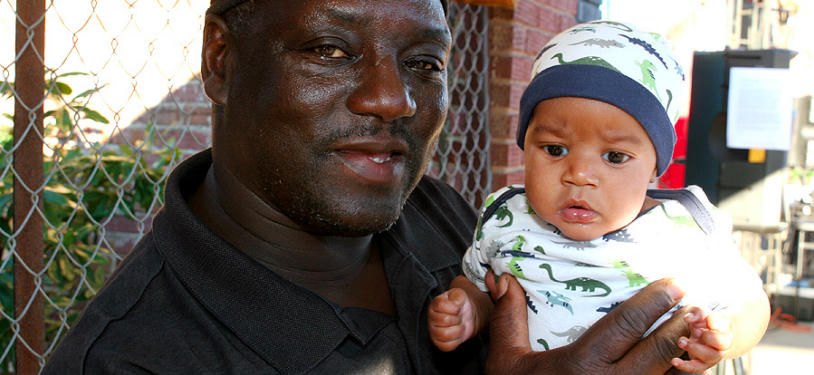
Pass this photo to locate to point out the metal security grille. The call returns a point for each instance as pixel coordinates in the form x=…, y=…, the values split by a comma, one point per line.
x=93, y=125
x=462, y=155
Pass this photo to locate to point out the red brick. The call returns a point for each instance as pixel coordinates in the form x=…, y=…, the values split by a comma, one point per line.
x=502, y=125
x=506, y=95
x=527, y=12
x=518, y=37
x=566, y=22
x=499, y=13
x=500, y=180
x=511, y=67
x=567, y=6
x=547, y=20
x=515, y=92
x=535, y=42
x=516, y=178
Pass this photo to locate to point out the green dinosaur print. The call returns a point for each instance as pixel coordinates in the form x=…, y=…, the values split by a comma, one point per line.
x=679, y=221
x=634, y=279
x=587, y=284
x=518, y=243
x=618, y=263
x=489, y=201
x=615, y=25
x=539, y=249
x=529, y=209
x=669, y=100
x=543, y=343
x=588, y=60
x=515, y=268
x=503, y=212
x=479, y=232
x=581, y=29
x=648, y=77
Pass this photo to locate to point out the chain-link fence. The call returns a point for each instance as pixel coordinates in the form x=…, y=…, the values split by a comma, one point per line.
x=94, y=123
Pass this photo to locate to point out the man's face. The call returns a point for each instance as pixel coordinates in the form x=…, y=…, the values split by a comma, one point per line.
x=588, y=165
x=334, y=107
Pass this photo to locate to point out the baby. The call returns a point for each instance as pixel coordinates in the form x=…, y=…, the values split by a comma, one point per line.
x=585, y=233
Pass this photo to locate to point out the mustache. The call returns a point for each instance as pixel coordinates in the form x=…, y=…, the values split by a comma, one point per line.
x=396, y=130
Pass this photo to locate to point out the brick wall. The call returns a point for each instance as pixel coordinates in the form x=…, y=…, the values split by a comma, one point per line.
x=515, y=38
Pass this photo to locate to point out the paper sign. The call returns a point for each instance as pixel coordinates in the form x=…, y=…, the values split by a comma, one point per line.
x=759, y=109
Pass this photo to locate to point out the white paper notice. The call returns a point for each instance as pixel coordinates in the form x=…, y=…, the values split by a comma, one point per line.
x=759, y=109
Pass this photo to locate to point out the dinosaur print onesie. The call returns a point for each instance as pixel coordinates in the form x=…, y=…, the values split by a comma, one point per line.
x=570, y=284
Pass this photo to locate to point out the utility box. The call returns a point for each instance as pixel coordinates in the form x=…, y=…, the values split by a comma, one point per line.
x=751, y=192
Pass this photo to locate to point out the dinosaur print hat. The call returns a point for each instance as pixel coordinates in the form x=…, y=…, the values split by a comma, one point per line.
x=618, y=64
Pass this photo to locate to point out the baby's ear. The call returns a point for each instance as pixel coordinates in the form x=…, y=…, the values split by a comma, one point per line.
x=654, y=177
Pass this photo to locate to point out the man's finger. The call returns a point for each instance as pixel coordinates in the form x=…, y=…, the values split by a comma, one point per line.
x=625, y=325
x=509, y=339
x=664, y=340
x=509, y=325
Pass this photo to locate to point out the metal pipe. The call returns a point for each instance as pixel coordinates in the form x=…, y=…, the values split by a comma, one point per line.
x=28, y=164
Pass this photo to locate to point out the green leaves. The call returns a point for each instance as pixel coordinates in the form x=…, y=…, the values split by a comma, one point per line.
x=84, y=189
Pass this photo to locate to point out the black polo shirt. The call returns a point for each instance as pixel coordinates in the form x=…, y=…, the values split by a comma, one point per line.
x=187, y=302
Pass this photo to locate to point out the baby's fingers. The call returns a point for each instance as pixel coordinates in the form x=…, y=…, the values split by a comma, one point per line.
x=720, y=341
x=446, y=303
x=703, y=356
x=719, y=323
x=447, y=338
x=693, y=367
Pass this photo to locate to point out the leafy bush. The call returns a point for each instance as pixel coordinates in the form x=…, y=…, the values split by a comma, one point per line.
x=83, y=190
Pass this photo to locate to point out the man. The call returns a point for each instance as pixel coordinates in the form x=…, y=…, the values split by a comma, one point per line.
x=306, y=239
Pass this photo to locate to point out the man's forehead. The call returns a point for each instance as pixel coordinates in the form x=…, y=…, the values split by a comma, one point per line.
x=221, y=6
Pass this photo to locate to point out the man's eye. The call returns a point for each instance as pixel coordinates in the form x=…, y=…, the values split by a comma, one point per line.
x=423, y=65
x=330, y=52
x=555, y=150
x=615, y=157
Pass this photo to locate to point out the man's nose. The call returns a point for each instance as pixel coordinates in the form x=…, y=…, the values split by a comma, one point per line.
x=581, y=171
x=382, y=92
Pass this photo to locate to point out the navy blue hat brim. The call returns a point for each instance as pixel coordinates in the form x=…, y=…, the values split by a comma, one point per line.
x=600, y=83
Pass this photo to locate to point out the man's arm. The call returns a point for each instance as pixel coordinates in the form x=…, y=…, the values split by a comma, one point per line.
x=613, y=345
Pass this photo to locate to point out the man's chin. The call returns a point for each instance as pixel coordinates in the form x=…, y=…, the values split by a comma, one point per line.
x=359, y=228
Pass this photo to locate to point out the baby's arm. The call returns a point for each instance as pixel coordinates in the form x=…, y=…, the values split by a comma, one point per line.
x=458, y=314
x=724, y=334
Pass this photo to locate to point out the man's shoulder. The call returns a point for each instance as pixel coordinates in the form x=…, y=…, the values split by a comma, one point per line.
x=121, y=293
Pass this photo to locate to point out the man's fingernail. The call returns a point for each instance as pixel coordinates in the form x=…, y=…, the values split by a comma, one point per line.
x=674, y=290
x=502, y=286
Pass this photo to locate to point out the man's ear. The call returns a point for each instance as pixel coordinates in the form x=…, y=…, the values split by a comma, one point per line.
x=215, y=59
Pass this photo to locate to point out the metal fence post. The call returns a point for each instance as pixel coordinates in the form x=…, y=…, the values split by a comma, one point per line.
x=28, y=164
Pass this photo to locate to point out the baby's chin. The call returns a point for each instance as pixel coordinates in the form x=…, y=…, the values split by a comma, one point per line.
x=581, y=232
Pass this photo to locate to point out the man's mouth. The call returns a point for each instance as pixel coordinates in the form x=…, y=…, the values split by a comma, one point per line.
x=374, y=167
x=380, y=159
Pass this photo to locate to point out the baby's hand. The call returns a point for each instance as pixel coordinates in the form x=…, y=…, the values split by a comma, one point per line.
x=710, y=340
x=452, y=319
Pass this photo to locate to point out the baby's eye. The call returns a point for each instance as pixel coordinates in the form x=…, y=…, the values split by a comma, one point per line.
x=555, y=150
x=331, y=52
x=615, y=157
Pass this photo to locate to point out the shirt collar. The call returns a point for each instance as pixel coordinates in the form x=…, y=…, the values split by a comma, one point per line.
x=238, y=290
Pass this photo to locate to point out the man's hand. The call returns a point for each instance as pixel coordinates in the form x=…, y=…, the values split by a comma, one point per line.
x=613, y=345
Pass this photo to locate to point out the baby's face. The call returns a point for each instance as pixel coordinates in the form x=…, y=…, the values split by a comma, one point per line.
x=588, y=165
